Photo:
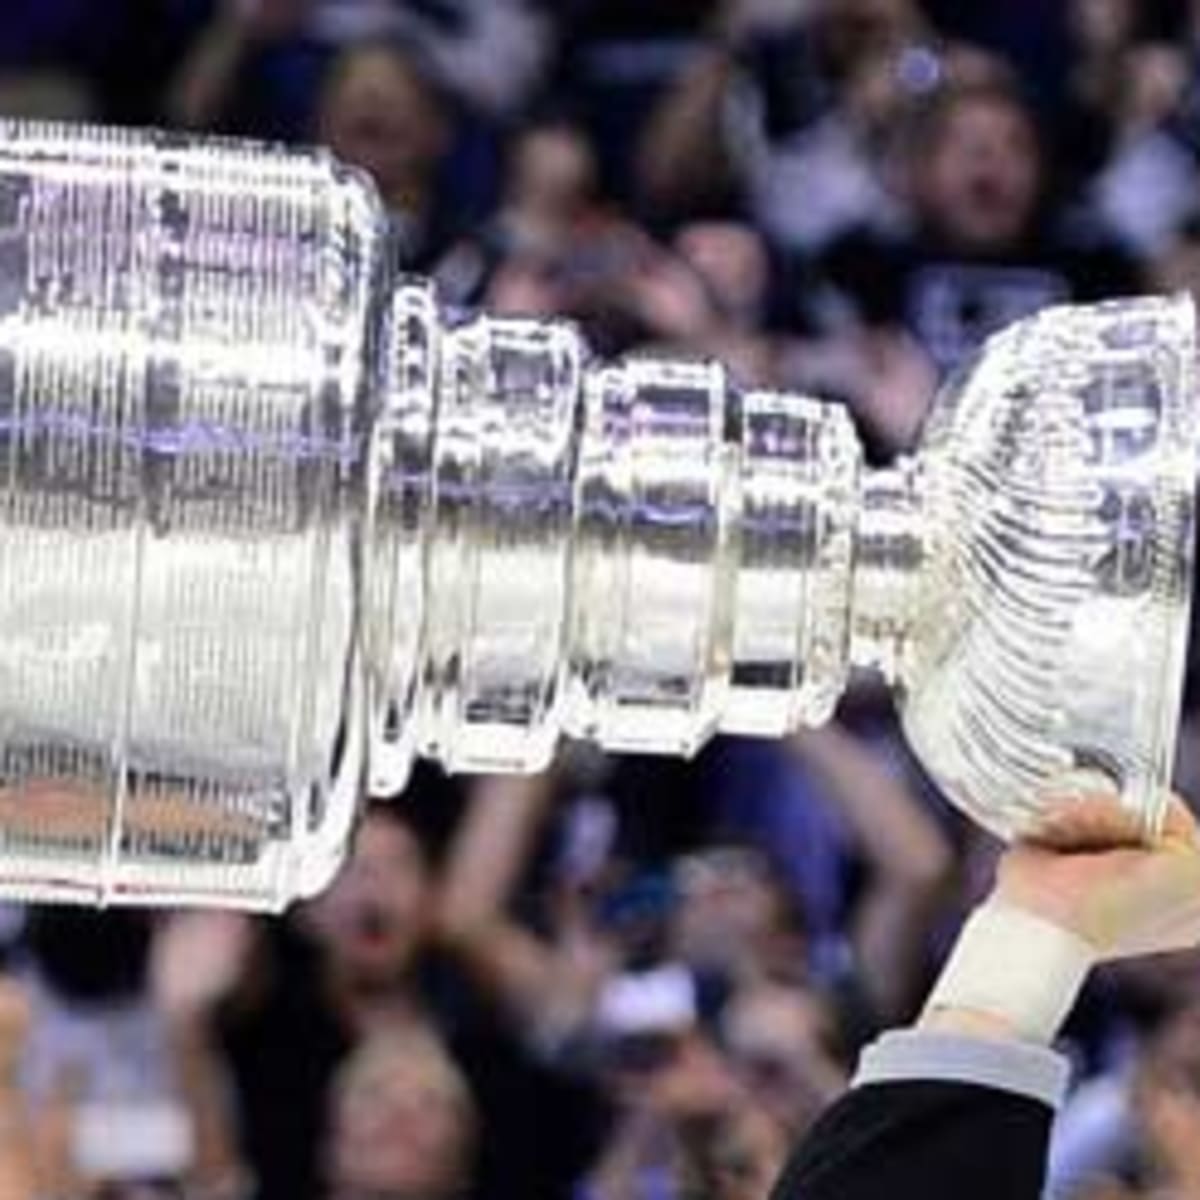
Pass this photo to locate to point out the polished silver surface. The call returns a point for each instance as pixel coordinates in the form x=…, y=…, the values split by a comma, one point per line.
x=797, y=497
x=183, y=400
x=1056, y=509
x=497, y=566
x=649, y=641
x=271, y=524
x=401, y=498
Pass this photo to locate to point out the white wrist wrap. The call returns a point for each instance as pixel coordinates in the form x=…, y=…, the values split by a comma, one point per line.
x=1014, y=965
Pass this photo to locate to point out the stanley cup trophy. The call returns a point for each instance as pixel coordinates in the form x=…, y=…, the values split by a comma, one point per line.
x=271, y=525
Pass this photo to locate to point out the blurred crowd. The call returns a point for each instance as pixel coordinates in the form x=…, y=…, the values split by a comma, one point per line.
x=627, y=979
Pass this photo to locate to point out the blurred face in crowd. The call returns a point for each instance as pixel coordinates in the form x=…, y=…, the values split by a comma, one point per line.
x=1174, y=1051
x=377, y=113
x=1102, y=25
x=854, y=29
x=1156, y=77
x=373, y=921
x=402, y=1122
x=747, y=1154
x=553, y=174
x=270, y=19
x=1167, y=1100
x=778, y=1040
x=732, y=1148
x=731, y=916
x=977, y=181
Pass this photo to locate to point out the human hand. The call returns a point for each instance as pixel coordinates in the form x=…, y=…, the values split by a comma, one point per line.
x=897, y=383
x=197, y=960
x=1085, y=888
x=1087, y=870
x=669, y=298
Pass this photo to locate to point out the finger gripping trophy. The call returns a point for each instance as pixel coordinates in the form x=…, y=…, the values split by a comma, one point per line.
x=271, y=524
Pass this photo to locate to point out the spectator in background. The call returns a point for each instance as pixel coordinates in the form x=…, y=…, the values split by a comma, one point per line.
x=552, y=195
x=258, y=63
x=40, y=1142
x=283, y=1012
x=616, y=59
x=824, y=808
x=120, y=53
x=691, y=995
x=733, y=922
x=379, y=105
x=551, y=216
x=686, y=1124
x=1166, y=1104
x=788, y=102
x=1100, y=33
x=491, y=54
x=734, y=263
x=380, y=112
x=249, y=71
x=403, y=1122
x=737, y=270
x=23, y=1173
x=1137, y=1039
x=1115, y=129
x=98, y=1065
x=788, y=1052
x=559, y=247
x=986, y=247
x=1134, y=1132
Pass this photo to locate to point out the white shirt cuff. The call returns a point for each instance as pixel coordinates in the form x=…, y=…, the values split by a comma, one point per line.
x=1022, y=1068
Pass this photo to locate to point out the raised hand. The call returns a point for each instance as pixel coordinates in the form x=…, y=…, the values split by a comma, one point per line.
x=197, y=961
x=1089, y=871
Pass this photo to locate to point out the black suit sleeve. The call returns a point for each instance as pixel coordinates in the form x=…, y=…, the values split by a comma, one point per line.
x=934, y=1117
x=933, y=1140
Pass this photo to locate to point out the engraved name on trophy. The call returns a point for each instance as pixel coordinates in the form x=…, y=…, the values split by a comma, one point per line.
x=268, y=523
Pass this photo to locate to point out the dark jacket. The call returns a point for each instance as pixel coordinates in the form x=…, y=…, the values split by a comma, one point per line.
x=972, y=1123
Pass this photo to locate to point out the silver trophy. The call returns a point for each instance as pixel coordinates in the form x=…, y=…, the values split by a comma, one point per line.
x=270, y=526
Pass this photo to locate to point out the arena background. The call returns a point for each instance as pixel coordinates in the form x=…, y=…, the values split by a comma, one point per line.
x=628, y=979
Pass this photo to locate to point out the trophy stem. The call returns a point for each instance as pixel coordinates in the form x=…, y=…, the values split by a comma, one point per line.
x=889, y=556
x=635, y=553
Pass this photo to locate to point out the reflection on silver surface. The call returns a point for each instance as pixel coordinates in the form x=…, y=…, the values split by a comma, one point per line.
x=270, y=525
x=184, y=391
